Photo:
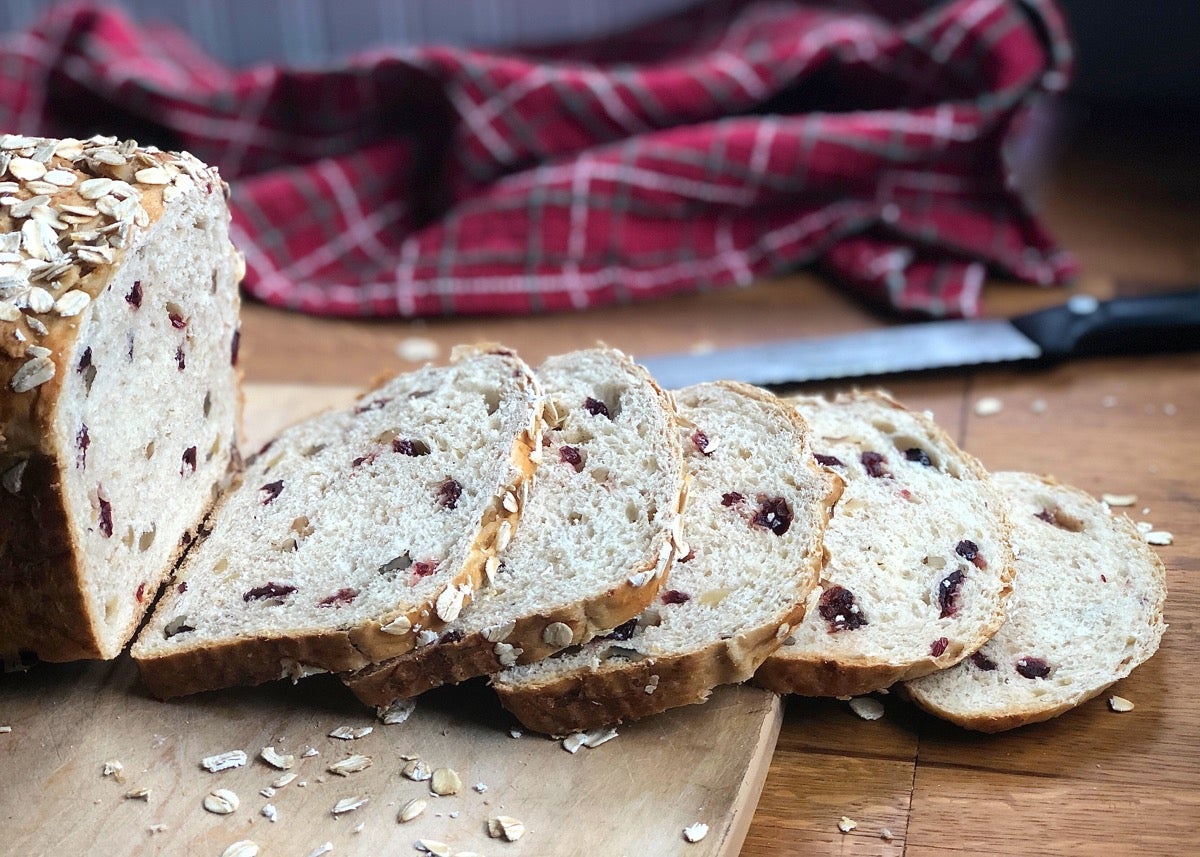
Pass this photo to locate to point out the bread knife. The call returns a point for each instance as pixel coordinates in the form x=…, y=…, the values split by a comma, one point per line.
x=1083, y=326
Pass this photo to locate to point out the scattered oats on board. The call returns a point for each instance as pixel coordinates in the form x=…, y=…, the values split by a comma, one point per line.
x=321, y=850
x=412, y=809
x=158, y=828
x=867, y=707
x=434, y=847
x=573, y=742
x=241, y=848
x=276, y=759
x=1119, y=499
x=269, y=812
x=5, y=729
x=416, y=770
x=846, y=824
x=348, y=804
x=138, y=794
x=505, y=826
x=221, y=801
x=417, y=349
x=114, y=769
x=349, y=733
x=1119, y=704
x=397, y=712
x=445, y=781
x=515, y=733
x=885, y=834
x=1144, y=527
x=988, y=406
x=1160, y=538
x=480, y=787
x=268, y=792
x=282, y=780
x=350, y=765
x=309, y=752
x=224, y=761
x=695, y=832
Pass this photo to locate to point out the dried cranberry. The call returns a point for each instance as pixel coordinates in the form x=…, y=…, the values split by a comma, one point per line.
x=1033, y=667
x=177, y=321
x=1103, y=579
x=180, y=360
x=1046, y=515
x=674, y=596
x=234, y=345
x=595, y=407
x=81, y=442
x=410, y=447
x=85, y=359
x=731, y=499
x=371, y=406
x=983, y=662
x=837, y=607
x=342, y=596
x=448, y=493
x=828, y=460
x=451, y=636
x=969, y=551
x=269, y=590
x=271, y=490
x=774, y=514
x=106, y=521
x=134, y=298
x=875, y=464
x=623, y=631
x=947, y=593
x=689, y=556
x=365, y=459
x=141, y=592
x=938, y=647
x=189, y=459
x=701, y=442
x=182, y=588
x=425, y=567
x=570, y=455
x=918, y=455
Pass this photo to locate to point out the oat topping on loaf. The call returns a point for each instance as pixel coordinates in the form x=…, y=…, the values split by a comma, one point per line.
x=117, y=421
x=918, y=564
x=757, y=505
x=602, y=511
x=340, y=547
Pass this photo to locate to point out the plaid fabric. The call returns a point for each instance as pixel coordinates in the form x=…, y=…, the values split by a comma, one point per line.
x=733, y=141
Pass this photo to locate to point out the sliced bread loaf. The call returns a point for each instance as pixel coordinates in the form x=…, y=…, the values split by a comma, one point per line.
x=1086, y=608
x=595, y=536
x=757, y=505
x=918, y=564
x=118, y=382
x=354, y=535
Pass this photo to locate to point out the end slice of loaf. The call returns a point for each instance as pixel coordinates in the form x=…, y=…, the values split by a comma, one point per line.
x=757, y=505
x=1086, y=608
x=353, y=536
x=119, y=401
x=595, y=536
x=918, y=564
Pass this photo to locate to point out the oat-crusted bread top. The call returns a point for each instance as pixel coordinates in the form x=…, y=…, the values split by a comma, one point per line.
x=1086, y=608
x=118, y=384
x=918, y=563
x=594, y=540
x=354, y=535
x=756, y=508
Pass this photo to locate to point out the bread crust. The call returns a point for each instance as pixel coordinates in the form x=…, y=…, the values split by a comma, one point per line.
x=43, y=604
x=851, y=675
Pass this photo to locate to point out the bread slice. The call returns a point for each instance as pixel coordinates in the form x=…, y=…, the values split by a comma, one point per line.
x=1086, y=608
x=119, y=400
x=354, y=535
x=918, y=561
x=595, y=537
x=752, y=526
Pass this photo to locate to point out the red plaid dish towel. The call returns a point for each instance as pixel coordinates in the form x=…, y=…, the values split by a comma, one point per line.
x=728, y=142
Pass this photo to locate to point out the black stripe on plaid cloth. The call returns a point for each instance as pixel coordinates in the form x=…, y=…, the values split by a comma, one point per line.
x=729, y=142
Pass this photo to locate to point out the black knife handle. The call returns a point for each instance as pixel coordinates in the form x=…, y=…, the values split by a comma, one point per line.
x=1086, y=326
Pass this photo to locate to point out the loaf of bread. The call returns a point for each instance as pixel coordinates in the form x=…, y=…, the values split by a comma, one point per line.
x=118, y=383
x=1086, y=608
x=757, y=506
x=595, y=537
x=918, y=561
x=355, y=535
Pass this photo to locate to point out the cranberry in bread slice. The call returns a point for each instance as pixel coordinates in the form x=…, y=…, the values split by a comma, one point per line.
x=918, y=564
x=757, y=505
x=595, y=538
x=1086, y=608
x=119, y=401
x=353, y=536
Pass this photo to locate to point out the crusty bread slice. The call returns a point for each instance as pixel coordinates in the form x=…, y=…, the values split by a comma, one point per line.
x=1086, y=608
x=595, y=537
x=354, y=535
x=119, y=400
x=757, y=505
x=918, y=564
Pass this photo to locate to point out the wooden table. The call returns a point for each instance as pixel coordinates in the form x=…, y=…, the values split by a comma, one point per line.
x=1090, y=782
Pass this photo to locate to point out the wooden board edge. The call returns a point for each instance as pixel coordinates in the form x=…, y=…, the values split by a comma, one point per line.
x=733, y=836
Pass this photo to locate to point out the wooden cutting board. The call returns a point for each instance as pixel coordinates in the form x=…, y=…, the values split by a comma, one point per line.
x=632, y=795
